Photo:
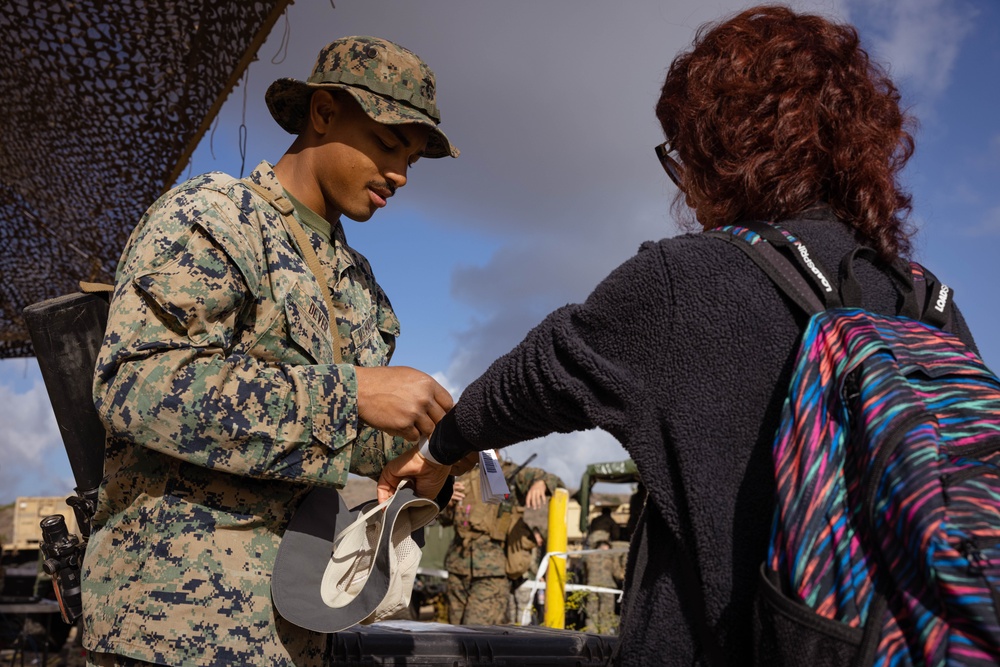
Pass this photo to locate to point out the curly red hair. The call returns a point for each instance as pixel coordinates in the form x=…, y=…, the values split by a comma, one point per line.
x=773, y=111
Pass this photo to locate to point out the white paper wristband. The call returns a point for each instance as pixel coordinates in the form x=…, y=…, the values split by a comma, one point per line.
x=425, y=451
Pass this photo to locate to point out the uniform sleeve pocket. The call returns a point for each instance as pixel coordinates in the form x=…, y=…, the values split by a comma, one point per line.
x=196, y=290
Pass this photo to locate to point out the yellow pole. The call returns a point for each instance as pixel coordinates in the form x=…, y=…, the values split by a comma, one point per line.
x=555, y=576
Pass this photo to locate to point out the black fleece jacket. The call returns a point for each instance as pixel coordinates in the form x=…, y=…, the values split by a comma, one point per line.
x=683, y=353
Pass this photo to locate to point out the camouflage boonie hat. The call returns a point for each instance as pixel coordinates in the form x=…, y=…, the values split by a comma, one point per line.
x=391, y=84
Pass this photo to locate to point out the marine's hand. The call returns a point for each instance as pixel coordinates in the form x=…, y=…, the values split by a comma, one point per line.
x=535, y=497
x=428, y=477
x=401, y=400
x=457, y=494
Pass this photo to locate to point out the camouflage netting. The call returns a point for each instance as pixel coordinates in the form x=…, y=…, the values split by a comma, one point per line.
x=101, y=105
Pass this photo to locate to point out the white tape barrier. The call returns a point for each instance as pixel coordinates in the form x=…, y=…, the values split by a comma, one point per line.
x=537, y=584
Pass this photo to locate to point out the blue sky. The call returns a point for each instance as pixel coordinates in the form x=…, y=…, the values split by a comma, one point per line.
x=551, y=104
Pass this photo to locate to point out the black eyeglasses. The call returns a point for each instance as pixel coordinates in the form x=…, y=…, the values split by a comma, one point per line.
x=670, y=165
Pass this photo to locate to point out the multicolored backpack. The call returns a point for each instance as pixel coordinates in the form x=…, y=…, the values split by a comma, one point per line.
x=885, y=547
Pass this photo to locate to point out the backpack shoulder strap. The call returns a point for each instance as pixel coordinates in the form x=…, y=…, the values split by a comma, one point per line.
x=935, y=300
x=786, y=260
x=850, y=288
x=925, y=298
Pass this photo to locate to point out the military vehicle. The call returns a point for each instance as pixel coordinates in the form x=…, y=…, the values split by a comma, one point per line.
x=612, y=472
x=28, y=513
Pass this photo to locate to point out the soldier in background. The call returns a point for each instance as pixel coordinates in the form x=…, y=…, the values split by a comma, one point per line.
x=227, y=394
x=605, y=569
x=479, y=580
x=521, y=597
x=605, y=522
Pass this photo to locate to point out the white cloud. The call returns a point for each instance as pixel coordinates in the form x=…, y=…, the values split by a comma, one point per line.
x=919, y=39
x=448, y=384
x=34, y=460
x=568, y=454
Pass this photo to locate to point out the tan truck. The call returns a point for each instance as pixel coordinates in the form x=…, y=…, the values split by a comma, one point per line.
x=28, y=513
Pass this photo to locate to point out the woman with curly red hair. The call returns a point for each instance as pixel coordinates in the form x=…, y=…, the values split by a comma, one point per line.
x=773, y=112
x=684, y=353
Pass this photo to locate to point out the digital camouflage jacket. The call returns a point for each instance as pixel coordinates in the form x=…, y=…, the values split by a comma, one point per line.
x=223, y=404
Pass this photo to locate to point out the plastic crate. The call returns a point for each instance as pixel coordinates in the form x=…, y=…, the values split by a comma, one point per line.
x=417, y=643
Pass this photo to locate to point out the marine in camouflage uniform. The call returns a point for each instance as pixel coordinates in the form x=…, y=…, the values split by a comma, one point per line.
x=604, y=569
x=478, y=586
x=523, y=596
x=605, y=522
x=220, y=385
